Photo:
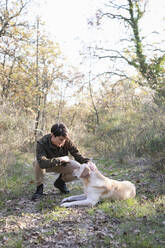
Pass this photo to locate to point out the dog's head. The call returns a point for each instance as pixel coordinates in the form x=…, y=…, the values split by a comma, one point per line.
x=82, y=171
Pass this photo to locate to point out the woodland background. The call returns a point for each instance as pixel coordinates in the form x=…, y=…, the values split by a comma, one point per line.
x=121, y=116
x=116, y=117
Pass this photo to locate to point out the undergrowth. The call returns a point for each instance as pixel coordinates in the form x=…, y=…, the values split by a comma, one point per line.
x=135, y=223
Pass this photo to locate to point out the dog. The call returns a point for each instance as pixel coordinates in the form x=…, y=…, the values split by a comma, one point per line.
x=97, y=187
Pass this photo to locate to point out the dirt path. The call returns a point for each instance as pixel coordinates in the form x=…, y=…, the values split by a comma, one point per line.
x=43, y=224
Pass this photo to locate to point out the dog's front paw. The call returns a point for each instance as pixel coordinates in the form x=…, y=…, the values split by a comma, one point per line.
x=65, y=200
x=66, y=205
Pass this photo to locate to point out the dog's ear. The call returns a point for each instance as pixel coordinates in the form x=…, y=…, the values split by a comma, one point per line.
x=86, y=172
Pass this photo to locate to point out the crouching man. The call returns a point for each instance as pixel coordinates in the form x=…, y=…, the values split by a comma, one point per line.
x=51, y=156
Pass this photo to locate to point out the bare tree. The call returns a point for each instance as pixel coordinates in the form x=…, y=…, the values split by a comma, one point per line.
x=129, y=13
x=91, y=89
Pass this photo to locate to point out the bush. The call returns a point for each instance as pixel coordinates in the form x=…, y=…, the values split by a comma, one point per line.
x=15, y=129
x=136, y=132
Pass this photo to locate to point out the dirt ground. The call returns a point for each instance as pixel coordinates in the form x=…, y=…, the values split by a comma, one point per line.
x=44, y=224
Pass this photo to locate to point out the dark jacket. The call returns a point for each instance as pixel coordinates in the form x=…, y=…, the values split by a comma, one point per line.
x=48, y=154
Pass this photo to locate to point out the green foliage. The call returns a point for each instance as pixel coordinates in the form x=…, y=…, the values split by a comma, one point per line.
x=129, y=209
x=156, y=144
x=58, y=213
x=14, y=241
x=133, y=129
x=16, y=178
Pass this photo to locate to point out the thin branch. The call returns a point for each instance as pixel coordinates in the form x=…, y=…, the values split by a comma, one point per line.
x=118, y=56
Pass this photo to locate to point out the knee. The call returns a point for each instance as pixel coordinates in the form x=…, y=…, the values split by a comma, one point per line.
x=36, y=166
x=35, y=163
x=68, y=177
x=64, y=177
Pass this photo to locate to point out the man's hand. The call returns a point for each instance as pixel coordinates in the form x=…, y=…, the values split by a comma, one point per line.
x=64, y=160
x=91, y=165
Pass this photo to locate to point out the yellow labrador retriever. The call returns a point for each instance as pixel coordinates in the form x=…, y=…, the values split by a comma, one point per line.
x=97, y=187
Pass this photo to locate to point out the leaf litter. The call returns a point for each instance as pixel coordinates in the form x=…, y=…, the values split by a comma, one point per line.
x=43, y=223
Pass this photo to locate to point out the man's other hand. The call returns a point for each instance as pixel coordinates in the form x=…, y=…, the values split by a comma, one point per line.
x=64, y=159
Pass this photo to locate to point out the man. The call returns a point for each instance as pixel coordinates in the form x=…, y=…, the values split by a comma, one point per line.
x=51, y=156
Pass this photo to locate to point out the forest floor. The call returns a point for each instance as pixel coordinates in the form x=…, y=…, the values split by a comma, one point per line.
x=138, y=222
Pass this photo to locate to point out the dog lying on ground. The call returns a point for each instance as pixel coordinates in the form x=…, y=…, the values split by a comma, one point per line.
x=98, y=187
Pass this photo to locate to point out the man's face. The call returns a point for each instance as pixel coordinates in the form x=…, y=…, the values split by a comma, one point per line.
x=58, y=140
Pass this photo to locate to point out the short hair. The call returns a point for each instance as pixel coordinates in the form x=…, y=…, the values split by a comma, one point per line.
x=59, y=129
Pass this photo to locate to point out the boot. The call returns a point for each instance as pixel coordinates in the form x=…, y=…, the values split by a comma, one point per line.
x=61, y=185
x=39, y=192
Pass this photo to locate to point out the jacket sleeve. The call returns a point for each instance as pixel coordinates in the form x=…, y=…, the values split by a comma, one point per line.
x=42, y=159
x=76, y=154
